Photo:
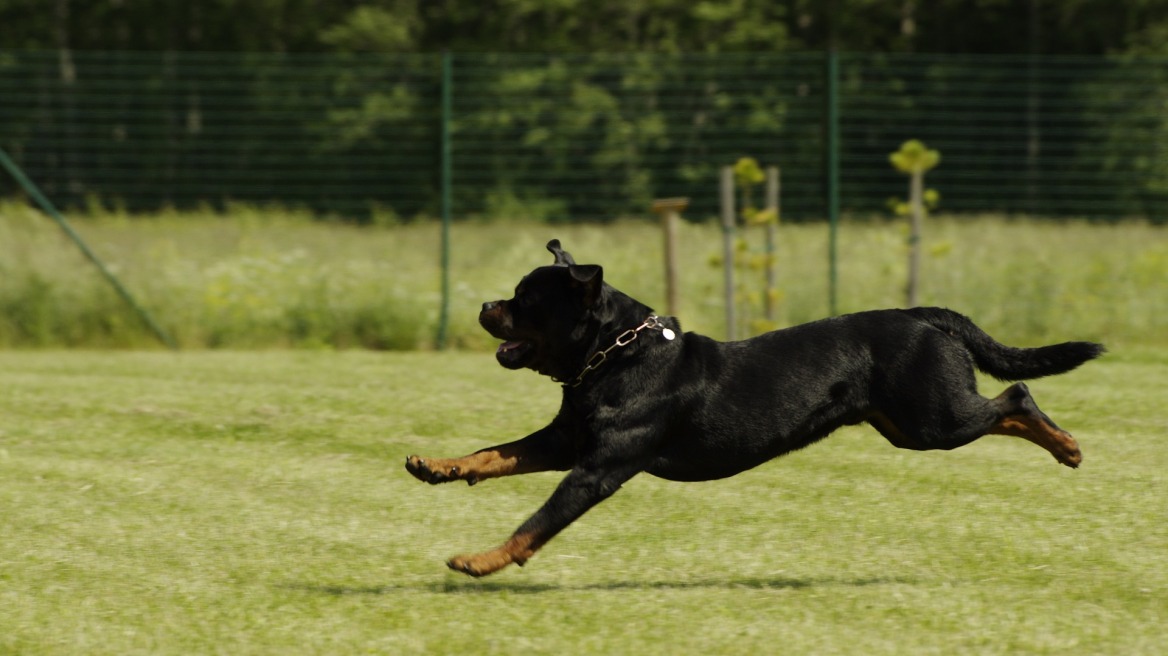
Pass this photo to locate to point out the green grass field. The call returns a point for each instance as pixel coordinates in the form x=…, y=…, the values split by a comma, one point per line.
x=255, y=503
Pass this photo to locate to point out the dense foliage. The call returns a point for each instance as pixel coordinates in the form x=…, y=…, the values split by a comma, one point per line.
x=582, y=110
x=664, y=26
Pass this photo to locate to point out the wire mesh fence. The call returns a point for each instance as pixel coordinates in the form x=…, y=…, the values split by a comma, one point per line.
x=567, y=137
x=151, y=130
x=1066, y=137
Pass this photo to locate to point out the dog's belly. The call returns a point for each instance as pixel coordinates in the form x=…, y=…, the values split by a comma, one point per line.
x=686, y=472
x=708, y=458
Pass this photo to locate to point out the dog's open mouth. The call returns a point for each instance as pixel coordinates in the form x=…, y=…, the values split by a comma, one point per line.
x=514, y=354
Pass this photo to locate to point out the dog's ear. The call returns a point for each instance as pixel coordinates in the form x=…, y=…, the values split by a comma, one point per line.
x=589, y=278
x=563, y=257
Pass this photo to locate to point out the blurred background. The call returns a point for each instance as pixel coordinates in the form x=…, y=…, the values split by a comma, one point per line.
x=301, y=173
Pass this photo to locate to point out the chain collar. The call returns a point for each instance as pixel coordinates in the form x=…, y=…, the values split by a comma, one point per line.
x=624, y=339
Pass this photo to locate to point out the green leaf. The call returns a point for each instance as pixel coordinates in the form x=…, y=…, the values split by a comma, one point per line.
x=914, y=157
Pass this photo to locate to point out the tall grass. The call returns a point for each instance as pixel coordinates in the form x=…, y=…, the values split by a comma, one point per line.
x=260, y=278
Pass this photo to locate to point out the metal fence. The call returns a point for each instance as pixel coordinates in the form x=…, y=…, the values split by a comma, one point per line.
x=564, y=137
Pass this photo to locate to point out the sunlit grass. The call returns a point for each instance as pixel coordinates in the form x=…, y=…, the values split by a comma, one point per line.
x=239, y=503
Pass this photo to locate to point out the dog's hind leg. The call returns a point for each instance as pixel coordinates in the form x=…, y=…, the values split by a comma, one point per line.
x=1022, y=418
x=931, y=402
x=543, y=450
x=577, y=493
x=968, y=416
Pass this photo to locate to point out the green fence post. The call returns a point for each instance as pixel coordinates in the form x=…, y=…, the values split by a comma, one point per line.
x=444, y=312
x=49, y=209
x=833, y=201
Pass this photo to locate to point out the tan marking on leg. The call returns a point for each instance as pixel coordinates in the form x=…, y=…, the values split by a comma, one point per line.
x=506, y=460
x=1059, y=443
x=517, y=550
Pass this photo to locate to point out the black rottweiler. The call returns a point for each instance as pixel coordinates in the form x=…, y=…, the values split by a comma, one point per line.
x=639, y=396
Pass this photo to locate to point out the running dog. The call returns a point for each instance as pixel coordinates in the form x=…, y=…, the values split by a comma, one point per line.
x=641, y=396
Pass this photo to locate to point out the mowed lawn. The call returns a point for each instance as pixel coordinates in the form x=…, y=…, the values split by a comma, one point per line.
x=255, y=503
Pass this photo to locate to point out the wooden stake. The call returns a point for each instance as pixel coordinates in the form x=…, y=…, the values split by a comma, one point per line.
x=669, y=209
x=728, y=222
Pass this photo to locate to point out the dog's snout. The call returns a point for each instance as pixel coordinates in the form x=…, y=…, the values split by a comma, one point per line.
x=494, y=318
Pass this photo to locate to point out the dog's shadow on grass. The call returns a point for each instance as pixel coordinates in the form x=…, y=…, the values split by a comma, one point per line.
x=470, y=586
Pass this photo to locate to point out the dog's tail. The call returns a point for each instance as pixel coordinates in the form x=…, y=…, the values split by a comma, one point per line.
x=1007, y=362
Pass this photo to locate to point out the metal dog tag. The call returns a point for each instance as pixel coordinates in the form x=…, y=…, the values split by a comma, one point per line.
x=667, y=333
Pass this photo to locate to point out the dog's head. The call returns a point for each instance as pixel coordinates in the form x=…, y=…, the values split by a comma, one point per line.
x=544, y=324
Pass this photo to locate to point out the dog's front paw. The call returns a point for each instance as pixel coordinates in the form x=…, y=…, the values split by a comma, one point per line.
x=481, y=564
x=437, y=471
x=430, y=471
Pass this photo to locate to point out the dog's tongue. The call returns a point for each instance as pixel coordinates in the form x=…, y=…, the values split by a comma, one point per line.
x=507, y=346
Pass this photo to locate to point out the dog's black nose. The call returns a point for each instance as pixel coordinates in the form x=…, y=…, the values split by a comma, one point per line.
x=489, y=305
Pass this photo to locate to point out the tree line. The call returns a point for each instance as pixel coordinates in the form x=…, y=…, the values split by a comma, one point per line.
x=575, y=109
x=1081, y=27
